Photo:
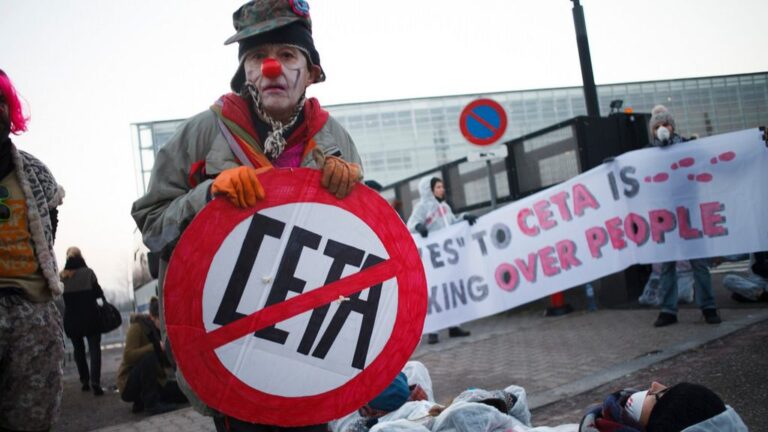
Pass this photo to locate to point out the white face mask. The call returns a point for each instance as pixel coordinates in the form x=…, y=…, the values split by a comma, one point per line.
x=663, y=134
x=634, y=405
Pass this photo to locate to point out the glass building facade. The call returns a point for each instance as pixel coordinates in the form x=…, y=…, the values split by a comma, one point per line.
x=400, y=138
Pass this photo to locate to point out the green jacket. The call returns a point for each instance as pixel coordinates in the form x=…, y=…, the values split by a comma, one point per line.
x=137, y=344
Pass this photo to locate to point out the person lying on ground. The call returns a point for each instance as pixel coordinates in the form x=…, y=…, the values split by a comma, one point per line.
x=408, y=395
x=681, y=407
x=401, y=408
x=478, y=410
x=753, y=286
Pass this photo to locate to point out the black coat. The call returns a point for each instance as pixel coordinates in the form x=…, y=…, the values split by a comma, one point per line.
x=81, y=314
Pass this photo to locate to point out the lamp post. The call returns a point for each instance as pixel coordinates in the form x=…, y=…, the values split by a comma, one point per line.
x=590, y=91
x=557, y=304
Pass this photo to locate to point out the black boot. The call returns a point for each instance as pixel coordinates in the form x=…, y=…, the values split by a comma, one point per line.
x=741, y=299
x=138, y=406
x=458, y=332
x=711, y=316
x=665, y=319
x=161, y=407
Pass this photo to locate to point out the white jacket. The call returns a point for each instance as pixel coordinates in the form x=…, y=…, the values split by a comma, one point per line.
x=726, y=421
x=465, y=414
x=412, y=414
x=429, y=211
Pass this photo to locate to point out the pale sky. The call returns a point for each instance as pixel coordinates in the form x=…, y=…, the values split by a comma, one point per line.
x=90, y=68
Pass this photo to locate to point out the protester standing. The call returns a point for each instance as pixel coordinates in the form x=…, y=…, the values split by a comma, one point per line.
x=31, y=338
x=267, y=121
x=81, y=318
x=431, y=214
x=664, y=134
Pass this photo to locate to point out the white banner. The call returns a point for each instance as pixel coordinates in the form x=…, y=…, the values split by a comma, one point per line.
x=702, y=198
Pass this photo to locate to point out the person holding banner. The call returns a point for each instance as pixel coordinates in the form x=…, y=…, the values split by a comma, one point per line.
x=31, y=333
x=267, y=121
x=662, y=125
x=432, y=213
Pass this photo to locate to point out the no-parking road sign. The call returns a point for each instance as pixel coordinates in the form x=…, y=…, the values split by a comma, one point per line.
x=483, y=122
x=296, y=311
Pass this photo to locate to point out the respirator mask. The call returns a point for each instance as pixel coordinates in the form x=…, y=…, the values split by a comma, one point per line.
x=662, y=137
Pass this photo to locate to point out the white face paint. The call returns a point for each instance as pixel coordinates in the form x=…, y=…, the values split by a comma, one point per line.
x=280, y=95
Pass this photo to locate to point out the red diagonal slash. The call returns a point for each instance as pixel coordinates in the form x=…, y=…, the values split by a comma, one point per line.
x=482, y=121
x=282, y=311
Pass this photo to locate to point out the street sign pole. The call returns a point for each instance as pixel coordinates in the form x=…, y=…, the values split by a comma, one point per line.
x=491, y=183
x=482, y=123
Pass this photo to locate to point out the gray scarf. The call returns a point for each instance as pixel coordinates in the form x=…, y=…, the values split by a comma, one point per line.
x=275, y=142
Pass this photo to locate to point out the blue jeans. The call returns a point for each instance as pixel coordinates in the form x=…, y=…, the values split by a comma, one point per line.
x=702, y=286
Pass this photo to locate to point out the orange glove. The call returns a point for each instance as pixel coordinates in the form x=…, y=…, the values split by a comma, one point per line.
x=240, y=185
x=339, y=176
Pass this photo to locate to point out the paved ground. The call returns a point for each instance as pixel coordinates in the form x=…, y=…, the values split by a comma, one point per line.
x=733, y=366
x=565, y=363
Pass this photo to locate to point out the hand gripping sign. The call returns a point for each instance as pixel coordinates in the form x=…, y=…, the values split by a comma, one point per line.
x=298, y=310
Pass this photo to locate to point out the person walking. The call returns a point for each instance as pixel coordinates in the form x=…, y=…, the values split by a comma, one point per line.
x=31, y=337
x=81, y=318
x=663, y=130
x=267, y=121
x=432, y=214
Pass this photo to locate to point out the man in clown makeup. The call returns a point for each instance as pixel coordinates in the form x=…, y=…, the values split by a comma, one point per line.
x=267, y=121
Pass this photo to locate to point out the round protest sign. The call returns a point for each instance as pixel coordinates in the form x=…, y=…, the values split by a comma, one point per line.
x=296, y=311
x=483, y=122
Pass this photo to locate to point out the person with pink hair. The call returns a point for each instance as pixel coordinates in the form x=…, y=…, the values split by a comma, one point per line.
x=31, y=334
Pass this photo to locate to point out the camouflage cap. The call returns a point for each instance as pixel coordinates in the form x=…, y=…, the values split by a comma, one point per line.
x=260, y=16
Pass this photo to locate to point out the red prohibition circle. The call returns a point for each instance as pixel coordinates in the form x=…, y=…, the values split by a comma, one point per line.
x=468, y=112
x=193, y=346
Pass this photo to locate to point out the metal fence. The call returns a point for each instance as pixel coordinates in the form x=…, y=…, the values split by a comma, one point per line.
x=534, y=162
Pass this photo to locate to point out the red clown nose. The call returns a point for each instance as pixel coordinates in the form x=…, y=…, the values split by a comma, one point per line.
x=271, y=68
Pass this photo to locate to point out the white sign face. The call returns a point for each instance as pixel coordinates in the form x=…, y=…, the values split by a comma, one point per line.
x=278, y=254
x=488, y=154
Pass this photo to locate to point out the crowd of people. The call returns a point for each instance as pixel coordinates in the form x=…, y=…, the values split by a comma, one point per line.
x=267, y=122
